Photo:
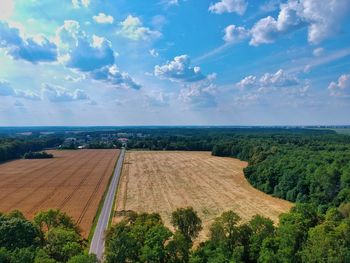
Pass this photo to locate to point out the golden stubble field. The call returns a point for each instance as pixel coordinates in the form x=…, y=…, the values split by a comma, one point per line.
x=163, y=181
x=73, y=181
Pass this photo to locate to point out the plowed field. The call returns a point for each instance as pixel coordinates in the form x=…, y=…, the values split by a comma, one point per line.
x=163, y=181
x=73, y=181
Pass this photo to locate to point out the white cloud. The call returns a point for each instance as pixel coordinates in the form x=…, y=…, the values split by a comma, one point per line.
x=229, y=6
x=7, y=90
x=59, y=94
x=133, y=29
x=112, y=76
x=81, y=3
x=179, y=70
x=235, y=33
x=270, y=6
x=82, y=52
x=34, y=50
x=278, y=79
x=247, y=82
x=322, y=20
x=200, y=94
x=29, y=95
x=93, y=56
x=154, y=53
x=341, y=88
x=102, y=18
x=157, y=98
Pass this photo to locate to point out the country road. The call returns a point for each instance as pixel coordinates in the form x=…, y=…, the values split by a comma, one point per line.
x=98, y=240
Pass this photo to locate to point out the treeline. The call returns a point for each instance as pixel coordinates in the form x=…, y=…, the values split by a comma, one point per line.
x=299, y=168
x=13, y=148
x=52, y=237
x=204, y=139
x=37, y=155
x=303, y=235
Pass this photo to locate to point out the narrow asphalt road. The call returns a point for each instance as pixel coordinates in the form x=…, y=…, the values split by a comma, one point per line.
x=97, y=245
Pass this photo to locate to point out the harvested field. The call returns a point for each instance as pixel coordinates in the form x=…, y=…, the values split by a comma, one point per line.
x=73, y=181
x=163, y=181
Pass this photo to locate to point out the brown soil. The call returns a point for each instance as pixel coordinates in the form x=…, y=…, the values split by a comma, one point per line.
x=73, y=181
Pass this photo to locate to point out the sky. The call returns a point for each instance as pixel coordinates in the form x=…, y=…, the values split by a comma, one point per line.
x=174, y=62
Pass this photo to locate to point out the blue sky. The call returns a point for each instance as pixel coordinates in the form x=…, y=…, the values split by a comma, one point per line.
x=174, y=62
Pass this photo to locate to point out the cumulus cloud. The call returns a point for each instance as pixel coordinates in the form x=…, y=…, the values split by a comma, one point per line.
x=59, y=94
x=93, y=56
x=81, y=52
x=179, y=70
x=247, y=82
x=322, y=20
x=340, y=88
x=102, y=18
x=278, y=79
x=33, y=50
x=133, y=29
x=229, y=6
x=112, y=76
x=235, y=33
x=80, y=3
x=200, y=94
x=7, y=90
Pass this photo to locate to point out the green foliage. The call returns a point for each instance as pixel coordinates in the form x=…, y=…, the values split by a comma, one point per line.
x=84, y=258
x=53, y=219
x=53, y=237
x=62, y=244
x=37, y=155
x=138, y=238
x=17, y=232
x=13, y=148
x=187, y=222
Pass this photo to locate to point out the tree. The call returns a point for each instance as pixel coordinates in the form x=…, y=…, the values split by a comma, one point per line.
x=62, y=244
x=187, y=222
x=83, y=258
x=178, y=249
x=225, y=230
x=23, y=255
x=153, y=249
x=54, y=218
x=329, y=241
x=121, y=246
x=17, y=233
x=261, y=228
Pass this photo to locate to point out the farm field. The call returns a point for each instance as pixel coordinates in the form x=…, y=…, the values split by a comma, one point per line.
x=163, y=181
x=73, y=181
